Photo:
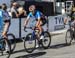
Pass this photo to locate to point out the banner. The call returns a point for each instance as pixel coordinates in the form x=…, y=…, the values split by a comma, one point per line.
x=56, y=23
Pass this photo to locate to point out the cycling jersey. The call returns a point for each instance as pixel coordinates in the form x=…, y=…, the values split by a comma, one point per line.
x=34, y=17
x=1, y=20
x=4, y=17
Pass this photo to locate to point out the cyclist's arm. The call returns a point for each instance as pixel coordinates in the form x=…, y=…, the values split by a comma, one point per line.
x=7, y=23
x=27, y=19
x=26, y=22
x=65, y=20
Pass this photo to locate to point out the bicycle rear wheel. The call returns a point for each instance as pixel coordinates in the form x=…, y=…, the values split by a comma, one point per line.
x=46, y=41
x=12, y=41
x=69, y=37
x=9, y=47
x=29, y=43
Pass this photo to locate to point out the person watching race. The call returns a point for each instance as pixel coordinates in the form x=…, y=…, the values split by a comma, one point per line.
x=13, y=10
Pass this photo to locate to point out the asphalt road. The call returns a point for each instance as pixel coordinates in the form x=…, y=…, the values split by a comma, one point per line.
x=57, y=49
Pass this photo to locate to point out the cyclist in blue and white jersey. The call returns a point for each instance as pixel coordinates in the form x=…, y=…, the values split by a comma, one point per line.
x=35, y=19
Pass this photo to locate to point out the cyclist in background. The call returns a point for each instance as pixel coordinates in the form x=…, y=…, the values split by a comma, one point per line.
x=73, y=23
x=35, y=17
x=72, y=15
x=6, y=22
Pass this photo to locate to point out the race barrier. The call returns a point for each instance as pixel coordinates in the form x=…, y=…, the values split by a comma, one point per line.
x=55, y=25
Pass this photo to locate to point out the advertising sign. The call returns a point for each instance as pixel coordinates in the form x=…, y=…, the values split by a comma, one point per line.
x=56, y=23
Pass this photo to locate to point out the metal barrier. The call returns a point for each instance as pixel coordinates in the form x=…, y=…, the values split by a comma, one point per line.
x=55, y=23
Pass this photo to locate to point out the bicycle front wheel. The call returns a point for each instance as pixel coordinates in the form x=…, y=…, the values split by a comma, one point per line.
x=7, y=46
x=29, y=43
x=46, y=41
x=12, y=41
x=68, y=37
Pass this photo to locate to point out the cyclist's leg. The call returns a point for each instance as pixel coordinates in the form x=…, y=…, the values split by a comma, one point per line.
x=40, y=29
x=6, y=27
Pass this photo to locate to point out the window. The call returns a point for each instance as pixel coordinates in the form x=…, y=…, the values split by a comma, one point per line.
x=60, y=8
x=60, y=0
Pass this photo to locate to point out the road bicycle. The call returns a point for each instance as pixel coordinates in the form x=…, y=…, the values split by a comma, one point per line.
x=70, y=35
x=11, y=41
x=30, y=40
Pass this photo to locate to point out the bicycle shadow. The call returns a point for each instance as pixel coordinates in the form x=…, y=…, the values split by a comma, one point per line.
x=62, y=45
x=7, y=55
x=57, y=46
x=33, y=55
x=18, y=51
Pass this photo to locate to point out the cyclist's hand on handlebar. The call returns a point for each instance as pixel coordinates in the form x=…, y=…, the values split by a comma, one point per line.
x=25, y=28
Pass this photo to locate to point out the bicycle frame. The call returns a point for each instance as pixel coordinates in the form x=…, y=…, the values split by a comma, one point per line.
x=33, y=34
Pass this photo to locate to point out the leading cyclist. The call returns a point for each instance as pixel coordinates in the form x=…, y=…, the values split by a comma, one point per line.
x=5, y=23
x=35, y=17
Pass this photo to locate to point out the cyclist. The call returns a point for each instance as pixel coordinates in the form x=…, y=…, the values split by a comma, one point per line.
x=73, y=24
x=72, y=15
x=35, y=17
x=6, y=22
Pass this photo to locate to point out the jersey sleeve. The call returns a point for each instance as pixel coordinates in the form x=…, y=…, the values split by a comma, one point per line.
x=6, y=16
x=29, y=15
x=38, y=15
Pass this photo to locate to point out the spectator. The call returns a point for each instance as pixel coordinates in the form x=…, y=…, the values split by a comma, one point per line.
x=22, y=12
x=14, y=11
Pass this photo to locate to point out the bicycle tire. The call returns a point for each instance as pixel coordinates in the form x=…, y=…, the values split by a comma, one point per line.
x=45, y=44
x=3, y=42
x=12, y=41
x=9, y=46
x=68, y=37
x=28, y=38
